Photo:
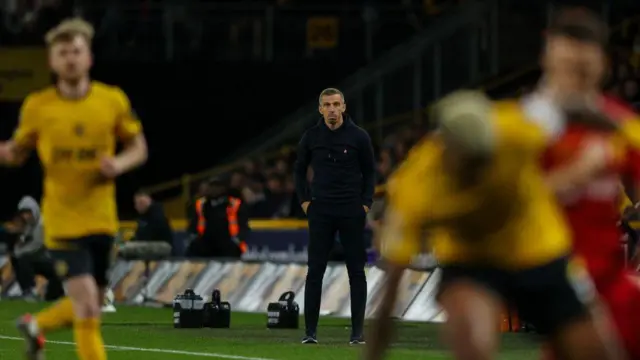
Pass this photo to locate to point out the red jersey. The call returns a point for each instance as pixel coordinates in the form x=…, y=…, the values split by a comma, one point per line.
x=593, y=211
x=593, y=214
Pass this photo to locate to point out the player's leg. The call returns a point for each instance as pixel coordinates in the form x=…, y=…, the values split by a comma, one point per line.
x=88, y=329
x=104, y=253
x=622, y=297
x=83, y=292
x=588, y=338
x=33, y=328
x=45, y=267
x=560, y=300
x=61, y=314
x=473, y=310
x=547, y=352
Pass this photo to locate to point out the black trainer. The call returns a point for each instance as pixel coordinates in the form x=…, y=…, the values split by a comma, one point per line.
x=309, y=339
x=357, y=340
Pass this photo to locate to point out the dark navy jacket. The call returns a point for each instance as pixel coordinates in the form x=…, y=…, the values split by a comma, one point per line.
x=343, y=167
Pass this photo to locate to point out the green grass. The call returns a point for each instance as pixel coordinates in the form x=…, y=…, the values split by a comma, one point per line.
x=151, y=332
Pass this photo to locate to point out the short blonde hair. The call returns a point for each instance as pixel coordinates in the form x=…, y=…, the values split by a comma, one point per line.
x=69, y=29
x=465, y=117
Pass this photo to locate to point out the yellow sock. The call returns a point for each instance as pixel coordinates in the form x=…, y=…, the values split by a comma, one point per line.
x=88, y=338
x=55, y=316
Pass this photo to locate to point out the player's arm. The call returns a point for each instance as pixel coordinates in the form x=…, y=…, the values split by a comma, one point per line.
x=11, y=154
x=16, y=151
x=129, y=130
x=592, y=159
x=134, y=153
x=538, y=132
x=596, y=156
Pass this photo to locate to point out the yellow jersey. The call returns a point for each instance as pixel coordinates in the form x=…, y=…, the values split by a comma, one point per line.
x=71, y=137
x=509, y=219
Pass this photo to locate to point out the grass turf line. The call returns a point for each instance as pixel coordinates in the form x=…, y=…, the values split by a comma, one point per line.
x=143, y=333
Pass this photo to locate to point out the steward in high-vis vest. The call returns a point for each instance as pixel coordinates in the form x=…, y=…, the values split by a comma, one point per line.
x=220, y=225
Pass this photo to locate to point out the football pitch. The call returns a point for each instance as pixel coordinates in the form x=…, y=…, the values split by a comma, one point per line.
x=134, y=333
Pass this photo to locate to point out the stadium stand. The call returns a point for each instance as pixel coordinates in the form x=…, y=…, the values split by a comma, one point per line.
x=267, y=180
x=459, y=32
x=272, y=265
x=266, y=183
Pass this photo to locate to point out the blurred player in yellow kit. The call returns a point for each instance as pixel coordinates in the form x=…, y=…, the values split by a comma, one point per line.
x=477, y=188
x=74, y=126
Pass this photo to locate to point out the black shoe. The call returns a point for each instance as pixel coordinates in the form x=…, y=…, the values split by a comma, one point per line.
x=309, y=340
x=357, y=341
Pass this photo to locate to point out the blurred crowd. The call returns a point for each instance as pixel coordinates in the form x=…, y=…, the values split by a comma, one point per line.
x=266, y=184
x=234, y=31
x=24, y=22
x=625, y=70
x=192, y=21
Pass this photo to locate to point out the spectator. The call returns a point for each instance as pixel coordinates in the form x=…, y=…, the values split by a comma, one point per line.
x=263, y=187
x=385, y=166
x=221, y=224
x=255, y=187
x=29, y=257
x=256, y=199
x=282, y=167
x=295, y=211
x=251, y=169
x=202, y=190
x=152, y=222
x=277, y=199
x=399, y=150
x=237, y=182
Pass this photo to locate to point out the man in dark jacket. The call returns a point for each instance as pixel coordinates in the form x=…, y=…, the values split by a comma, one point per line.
x=152, y=222
x=341, y=156
x=220, y=226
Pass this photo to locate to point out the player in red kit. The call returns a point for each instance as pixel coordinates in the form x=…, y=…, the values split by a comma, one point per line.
x=593, y=214
x=592, y=210
x=592, y=204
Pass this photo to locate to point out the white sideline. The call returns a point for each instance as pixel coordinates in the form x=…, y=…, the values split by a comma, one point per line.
x=151, y=350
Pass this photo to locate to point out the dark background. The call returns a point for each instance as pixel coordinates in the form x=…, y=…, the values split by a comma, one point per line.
x=193, y=114
x=212, y=91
